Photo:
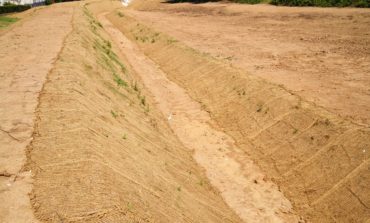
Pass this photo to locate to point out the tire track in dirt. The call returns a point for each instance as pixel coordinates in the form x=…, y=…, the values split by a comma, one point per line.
x=28, y=52
x=251, y=197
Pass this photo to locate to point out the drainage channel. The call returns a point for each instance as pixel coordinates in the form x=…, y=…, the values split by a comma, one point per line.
x=243, y=189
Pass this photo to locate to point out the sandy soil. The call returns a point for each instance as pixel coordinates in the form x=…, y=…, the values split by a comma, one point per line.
x=112, y=115
x=27, y=53
x=102, y=151
x=21, y=16
x=320, y=54
x=245, y=190
x=319, y=160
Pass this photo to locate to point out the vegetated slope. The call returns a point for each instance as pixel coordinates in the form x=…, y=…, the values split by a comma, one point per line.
x=102, y=153
x=6, y=21
x=320, y=161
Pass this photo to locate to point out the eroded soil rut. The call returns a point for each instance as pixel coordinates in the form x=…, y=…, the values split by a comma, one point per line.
x=244, y=189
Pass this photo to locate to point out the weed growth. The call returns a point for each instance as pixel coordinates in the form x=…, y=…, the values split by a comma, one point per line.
x=6, y=21
x=119, y=81
x=115, y=115
x=142, y=100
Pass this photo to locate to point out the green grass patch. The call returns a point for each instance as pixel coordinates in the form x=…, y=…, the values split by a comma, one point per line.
x=6, y=21
x=115, y=115
x=119, y=81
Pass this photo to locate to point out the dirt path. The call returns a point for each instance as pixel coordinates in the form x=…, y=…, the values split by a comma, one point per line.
x=245, y=190
x=321, y=54
x=27, y=54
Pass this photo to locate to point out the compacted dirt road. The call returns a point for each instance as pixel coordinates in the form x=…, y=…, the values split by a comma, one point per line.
x=27, y=54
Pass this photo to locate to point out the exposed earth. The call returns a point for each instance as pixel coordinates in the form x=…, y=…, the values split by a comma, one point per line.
x=158, y=112
x=320, y=54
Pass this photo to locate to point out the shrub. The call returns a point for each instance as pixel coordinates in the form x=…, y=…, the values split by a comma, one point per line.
x=49, y=2
x=9, y=8
x=8, y=4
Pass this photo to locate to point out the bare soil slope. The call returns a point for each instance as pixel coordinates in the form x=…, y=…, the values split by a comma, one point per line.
x=319, y=160
x=321, y=54
x=243, y=187
x=101, y=150
x=106, y=118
